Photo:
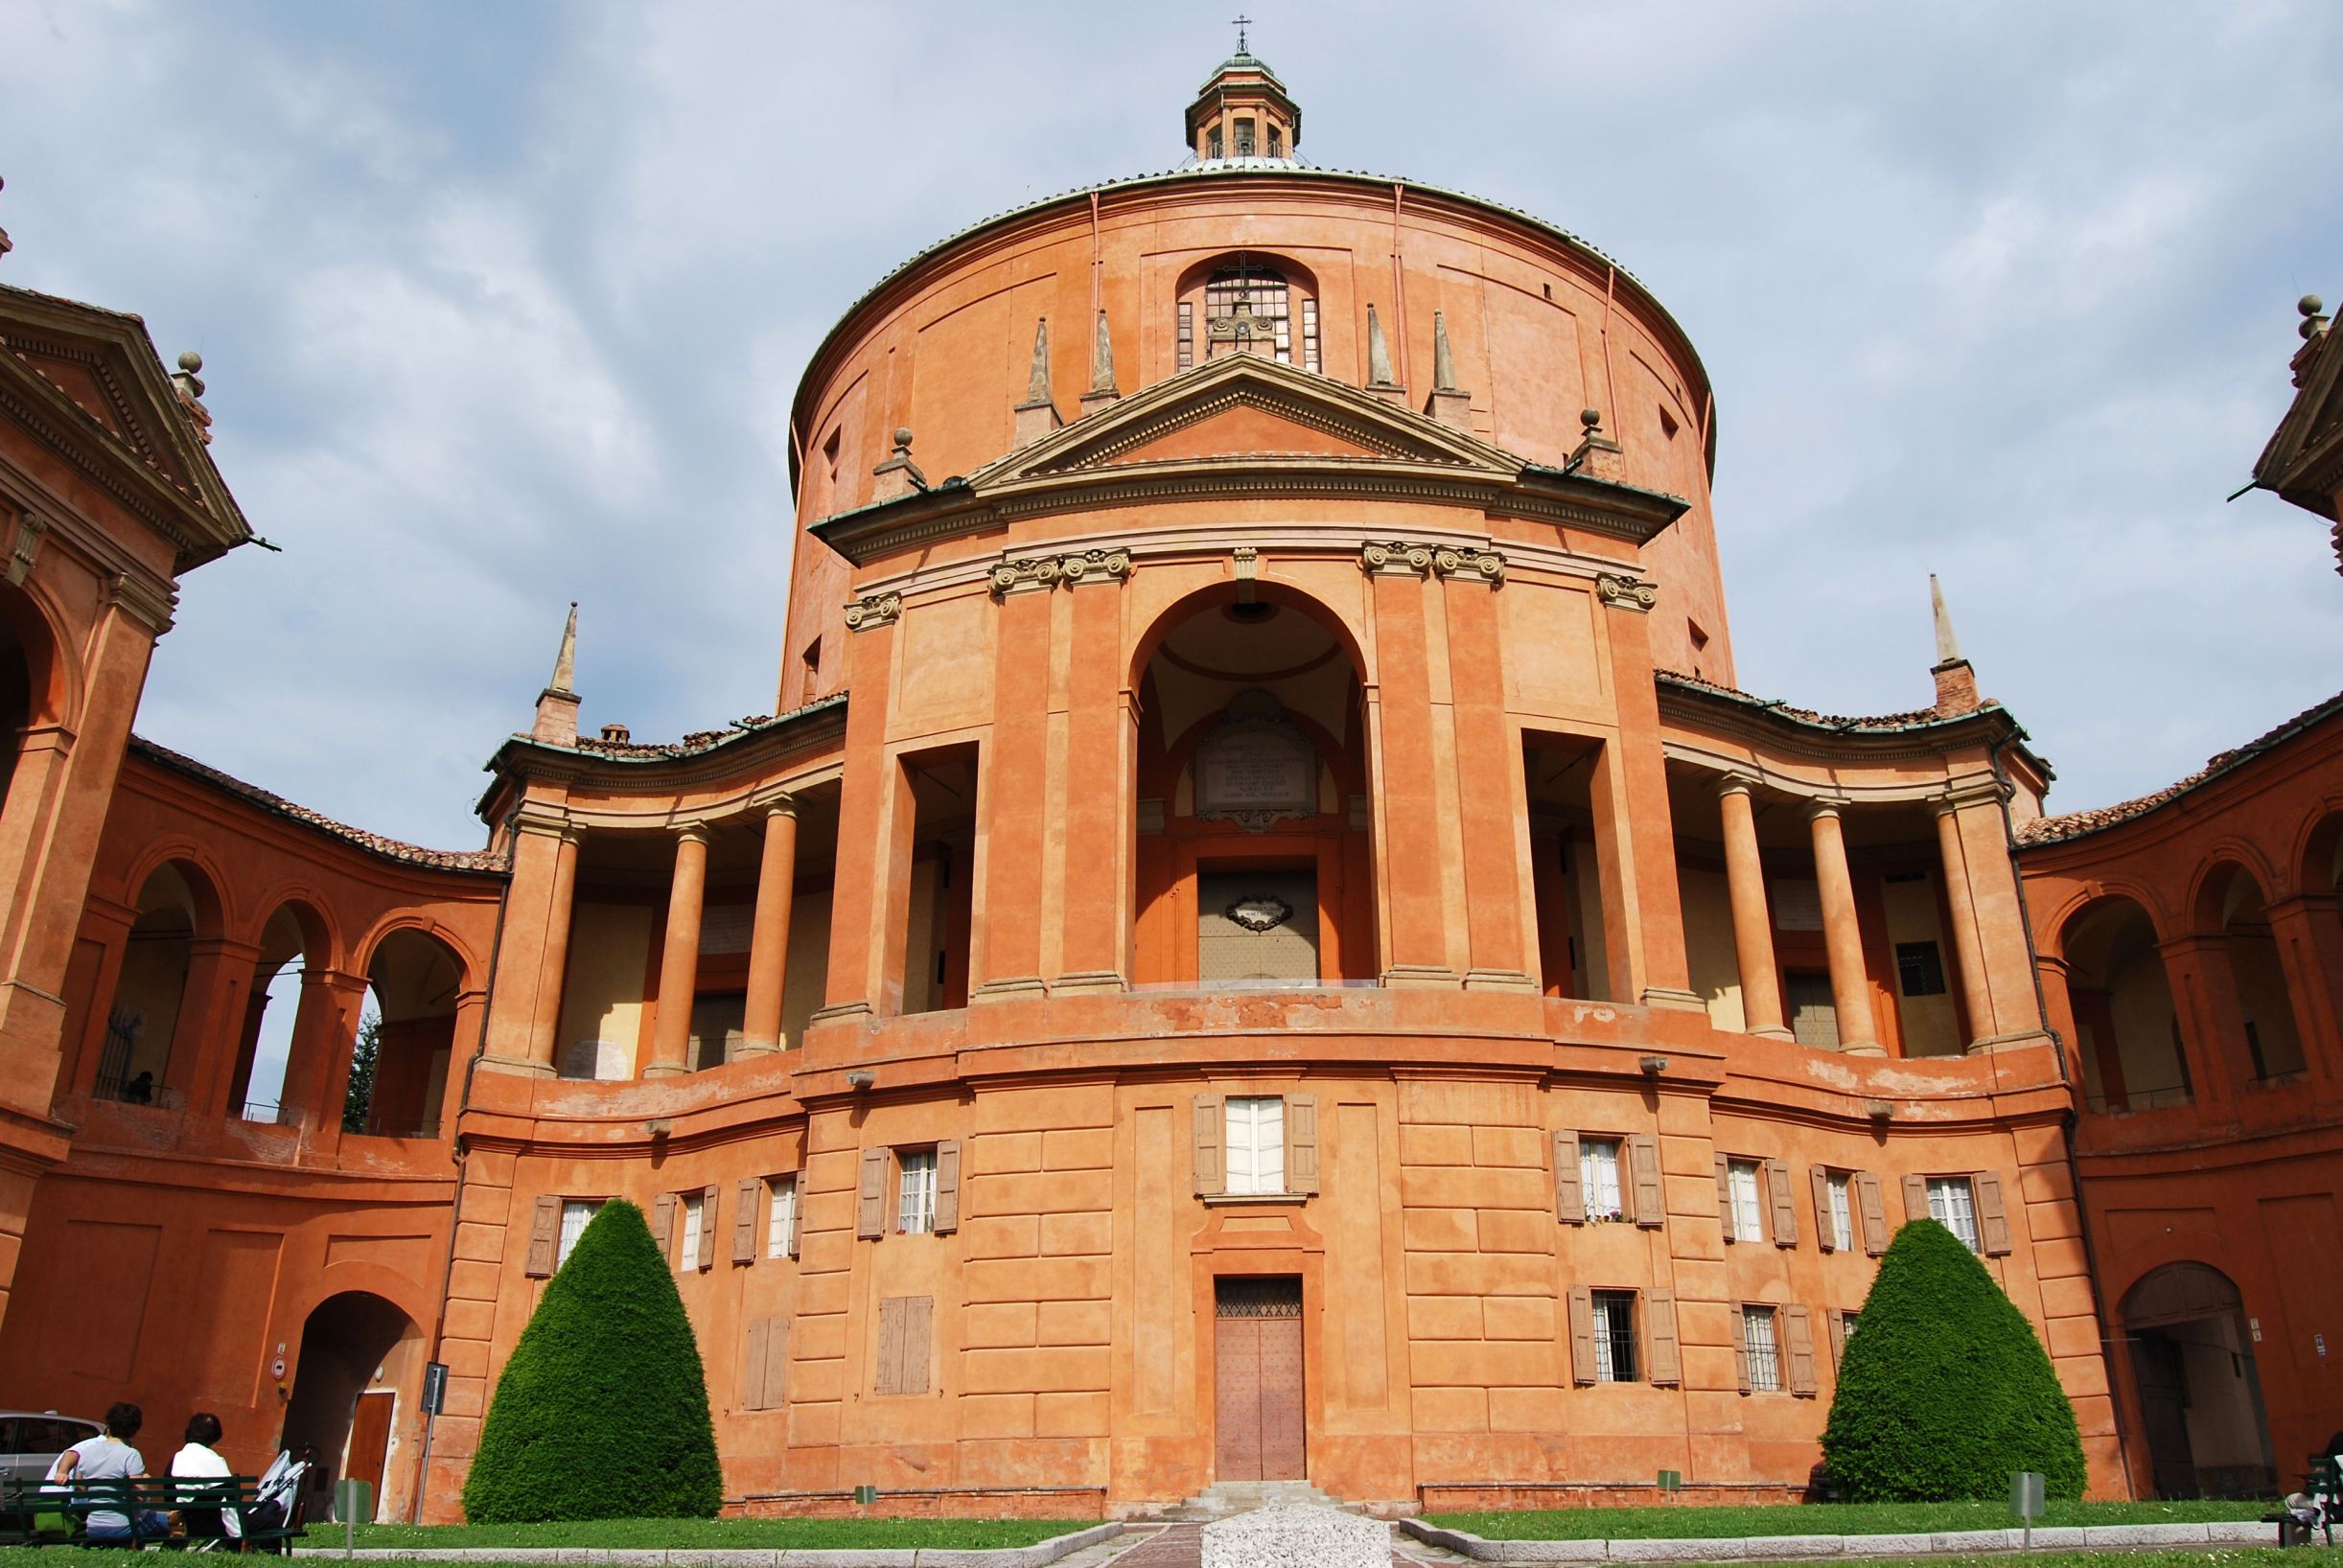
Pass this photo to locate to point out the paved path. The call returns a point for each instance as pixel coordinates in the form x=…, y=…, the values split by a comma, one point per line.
x=1182, y=1546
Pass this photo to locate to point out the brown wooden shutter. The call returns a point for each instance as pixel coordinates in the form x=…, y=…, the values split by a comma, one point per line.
x=753, y=1365
x=1211, y=1133
x=744, y=1221
x=1724, y=1197
x=1660, y=1326
x=1800, y=1335
x=870, y=1199
x=663, y=1224
x=887, y=1375
x=1301, y=1142
x=918, y=1332
x=1570, y=1193
x=1874, y=1211
x=1785, y=1204
x=948, y=1187
x=545, y=1238
x=1651, y=1198
x=777, y=1363
x=1916, y=1198
x=1582, y=1335
x=709, y=1196
x=1825, y=1234
x=1993, y=1216
x=1837, y=1320
x=797, y=1212
x=1741, y=1345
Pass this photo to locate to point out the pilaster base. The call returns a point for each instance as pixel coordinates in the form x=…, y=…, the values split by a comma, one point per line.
x=664, y=1069
x=1674, y=999
x=748, y=1048
x=1498, y=979
x=1088, y=979
x=1011, y=988
x=519, y=1065
x=1774, y=1034
x=839, y=1010
x=2018, y=1041
x=1862, y=1048
x=1420, y=976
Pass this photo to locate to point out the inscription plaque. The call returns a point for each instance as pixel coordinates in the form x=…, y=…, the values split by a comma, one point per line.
x=1256, y=769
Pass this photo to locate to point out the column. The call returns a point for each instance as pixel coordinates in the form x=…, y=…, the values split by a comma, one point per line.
x=2212, y=1022
x=2309, y=930
x=325, y=1033
x=1100, y=725
x=535, y=901
x=1968, y=951
x=2003, y=943
x=1408, y=822
x=1850, y=987
x=1752, y=922
x=553, y=959
x=777, y=873
x=867, y=806
x=1659, y=973
x=1016, y=797
x=203, y=1058
x=679, y=961
x=1488, y=788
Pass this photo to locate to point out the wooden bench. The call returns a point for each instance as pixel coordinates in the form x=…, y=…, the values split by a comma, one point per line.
x=139, y=1501
x=2321, y=1496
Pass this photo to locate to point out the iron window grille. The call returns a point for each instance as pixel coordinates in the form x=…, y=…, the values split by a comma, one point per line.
x=1765, y=1363
x=1615, y=1336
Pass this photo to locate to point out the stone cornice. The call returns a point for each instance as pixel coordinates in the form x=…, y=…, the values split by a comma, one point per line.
x=745, y=757
x=1773, y=727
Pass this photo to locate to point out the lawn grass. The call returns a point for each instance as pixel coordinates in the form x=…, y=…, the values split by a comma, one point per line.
x=2224, y=1557
x=1820, y=1519
x=639, y=1533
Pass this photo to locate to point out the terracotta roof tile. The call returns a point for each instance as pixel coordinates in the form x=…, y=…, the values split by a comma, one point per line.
x=1916, y=719
x=698, y=740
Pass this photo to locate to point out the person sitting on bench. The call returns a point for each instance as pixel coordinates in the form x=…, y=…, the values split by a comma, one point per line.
x=109, y=1458
x=200, y=1461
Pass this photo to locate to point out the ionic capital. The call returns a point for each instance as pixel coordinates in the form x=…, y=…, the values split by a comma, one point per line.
x=1623, y=592
x=874, y=611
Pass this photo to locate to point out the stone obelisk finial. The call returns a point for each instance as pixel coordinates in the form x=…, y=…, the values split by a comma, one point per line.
x=557, y=705
x=1449, y=403
x=1956, y=680
x=1103, y=388
x=1379, y=378
x=1037, y=415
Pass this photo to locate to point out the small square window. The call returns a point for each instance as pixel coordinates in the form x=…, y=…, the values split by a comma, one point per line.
x=1919, y=969
x=915, y=1212
x=1747, y=1211
x=781, y=1218
x=1598, y=1178
x=1615, y=1336
x=575, y=1214
x=1256, y=1144
x=1952, y=1203
x=1765, y=1361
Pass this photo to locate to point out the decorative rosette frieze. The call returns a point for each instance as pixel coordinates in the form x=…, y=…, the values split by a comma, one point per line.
x=874, y=611
x=1622, y=592
x=1040, y=573
x=1466, y=563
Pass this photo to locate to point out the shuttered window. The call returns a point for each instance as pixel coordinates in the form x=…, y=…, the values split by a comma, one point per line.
x=695, y=1209
x=1598, y=1178
x=781, y=1218
x=1952, y=1203
x=764, y=1365
x=545, y=1228
x=575, y=1212
x=1643, y=1168
x=1761, y=1355
x=1255, y=1148
x=871, y=1197
x=1615, y=1336
x=1842, y=1212
x=1874, y=1211
x=915, y=1210
x=1782, y=1216
x=906, y=1326
x=1659, y=1322
x=1746, y=1211
x=1798, y=1332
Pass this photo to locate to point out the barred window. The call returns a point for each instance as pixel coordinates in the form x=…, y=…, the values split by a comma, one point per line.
x=1814, y=1013
x=1842, y=1212
x=1187, y=334
x=1598, y=1177
x=1919, y=969
x=1615, y=1336
x=695, y=1210
x=1765, y=1365
x=1256, y=1126
x=915, y=1212
x=575, y=1214
x=781, y=1218
x=1952, y=1203
x=1748, y=1213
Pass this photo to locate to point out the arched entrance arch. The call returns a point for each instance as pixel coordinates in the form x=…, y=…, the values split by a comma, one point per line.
x=1255, y=846
x=2127, y=1031
x=358, y=1352
x=2200, y=1394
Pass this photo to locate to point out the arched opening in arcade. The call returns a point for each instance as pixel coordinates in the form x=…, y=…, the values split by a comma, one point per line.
x=265, y=1049
x=2125, y=1027
x=16, y=691
x=143, y=1016
x=360, y=1356
x=399, y=1089
x=1255, y=839
x=2200, y=1395
x=2230, y=907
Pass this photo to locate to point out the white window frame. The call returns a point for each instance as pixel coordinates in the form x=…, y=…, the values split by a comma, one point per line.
x=915, y=1208
x=781, y=1217
x=1952, y=1203
x=1606, y=1348
x=582, y=1212
x=1744, y=1184
x=1840, y=1186
x=1758, y=1326
x=695, y=1213
x=1598, y=1178
x=1254, y=1133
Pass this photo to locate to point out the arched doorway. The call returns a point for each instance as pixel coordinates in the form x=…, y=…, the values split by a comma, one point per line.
x=2127, y=1030
x=415, y=980
x=357, y=1350
x=2200, y=1394
x=1255, y=841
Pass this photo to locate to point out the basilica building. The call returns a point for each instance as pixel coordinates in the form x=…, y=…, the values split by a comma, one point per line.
x=1260, y=938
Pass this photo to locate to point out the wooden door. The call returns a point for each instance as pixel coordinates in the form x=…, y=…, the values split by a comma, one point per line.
x=370, y=1441
x=1257, y=1376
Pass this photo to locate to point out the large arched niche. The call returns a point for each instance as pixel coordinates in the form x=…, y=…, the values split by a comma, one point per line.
x=2128, y=1033
x=2201, y=1411
x=1280, y=318
x=1255, y=847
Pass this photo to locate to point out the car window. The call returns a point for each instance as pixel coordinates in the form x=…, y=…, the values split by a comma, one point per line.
x=7, y=1437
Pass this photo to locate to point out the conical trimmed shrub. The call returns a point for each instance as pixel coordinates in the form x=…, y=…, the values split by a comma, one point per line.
x=1944, y=1389
x=602, y=1411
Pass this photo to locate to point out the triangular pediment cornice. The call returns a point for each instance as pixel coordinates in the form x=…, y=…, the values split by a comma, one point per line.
x=1118, y=435
x=87, y=383
x=2304, y=460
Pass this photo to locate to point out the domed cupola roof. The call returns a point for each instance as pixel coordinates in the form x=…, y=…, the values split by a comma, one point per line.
x=1242, y=111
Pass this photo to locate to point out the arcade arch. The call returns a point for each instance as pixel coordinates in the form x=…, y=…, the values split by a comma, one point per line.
x=2128, y=1032
x=1255, y=849
x=176, y=904
x=2230, y=905
x=415, y=980
x=2200, y=1394
x=289, y=948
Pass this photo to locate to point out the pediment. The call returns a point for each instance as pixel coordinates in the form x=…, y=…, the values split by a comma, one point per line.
x=1240, y=406
x=2303, y=449
x=98, y=379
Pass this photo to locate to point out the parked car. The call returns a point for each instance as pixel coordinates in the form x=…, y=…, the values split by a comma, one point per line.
x=30, y=1440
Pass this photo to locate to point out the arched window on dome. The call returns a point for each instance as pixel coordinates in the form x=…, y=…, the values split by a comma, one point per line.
x=1249, y=309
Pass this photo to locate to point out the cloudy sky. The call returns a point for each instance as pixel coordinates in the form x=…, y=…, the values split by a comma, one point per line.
x=503, y=305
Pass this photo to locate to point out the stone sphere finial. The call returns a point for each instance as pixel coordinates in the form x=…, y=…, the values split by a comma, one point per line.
x=902, y=437
x=1591, y=418
x=2311, y=304
x=191, y=361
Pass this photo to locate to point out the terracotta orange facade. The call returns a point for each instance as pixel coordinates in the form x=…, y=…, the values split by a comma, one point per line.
x=1261, y=938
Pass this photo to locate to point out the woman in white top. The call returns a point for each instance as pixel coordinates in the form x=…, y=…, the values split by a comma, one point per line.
x=200, y=1461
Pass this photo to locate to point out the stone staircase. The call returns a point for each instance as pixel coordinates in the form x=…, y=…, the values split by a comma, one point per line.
x=1233, y=1497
